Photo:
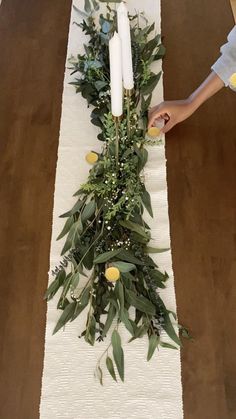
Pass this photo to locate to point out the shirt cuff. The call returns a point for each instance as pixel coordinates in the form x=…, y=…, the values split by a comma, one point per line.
x=220, y=68
x=225, y=66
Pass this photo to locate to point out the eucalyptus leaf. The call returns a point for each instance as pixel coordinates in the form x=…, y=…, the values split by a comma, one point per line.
x=69, y=241
x=75, y=209
x=110, y=367
x=65, y=316
x=140, y=332
x=185, y=332
x=173, y=314
x=66, y=285
x=55, y=285
x=90, y=330
x=167, y=324
x=140, y=302
x=104, y=257
x=151, y=84
x=88, y=211
x=95, y=5
x=153, y=343
x=110, y=317
x=88, y=257
x=149, y=249
x=100, y=375
x=134, y=227
x=87, y=6
x=114, y=302
x=150, y=47
x=75, y=281
x=100, y=84
x=118, y=353
x=62, y=303
x=146, y=199
x=124, y=317
x=119, y=290
x=160, y=53
x=80, y=305
x=167, y=345
x=139, y=239
x=145, y=103
x=124, y=266
x=66, y=227
x=80, y=12
x=143, y=157
x=128, y=256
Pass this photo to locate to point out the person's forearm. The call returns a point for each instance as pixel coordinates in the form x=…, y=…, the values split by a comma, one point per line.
x=211, y=85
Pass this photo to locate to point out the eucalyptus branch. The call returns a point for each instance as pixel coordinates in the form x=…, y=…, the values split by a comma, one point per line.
x=115, y=194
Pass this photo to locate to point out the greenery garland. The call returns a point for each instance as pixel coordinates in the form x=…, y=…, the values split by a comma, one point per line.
x=106, y=233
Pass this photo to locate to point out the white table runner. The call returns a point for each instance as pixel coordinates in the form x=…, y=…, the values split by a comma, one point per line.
x=152, y=390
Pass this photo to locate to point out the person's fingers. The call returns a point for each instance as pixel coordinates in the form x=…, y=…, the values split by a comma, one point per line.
x=155, y=115
x=155, y=108
x=167, y=127
x=152, y=111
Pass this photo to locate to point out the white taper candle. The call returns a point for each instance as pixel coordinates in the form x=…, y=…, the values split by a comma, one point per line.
x=116, y=75
x=124, y=34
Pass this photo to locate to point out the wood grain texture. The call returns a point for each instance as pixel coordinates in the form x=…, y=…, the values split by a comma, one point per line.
x=201, y=165
x=33, y=40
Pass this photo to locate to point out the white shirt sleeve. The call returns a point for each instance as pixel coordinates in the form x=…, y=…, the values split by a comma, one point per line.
x=225, y=66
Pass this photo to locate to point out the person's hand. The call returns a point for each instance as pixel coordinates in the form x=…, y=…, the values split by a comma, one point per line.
x=171, y=112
